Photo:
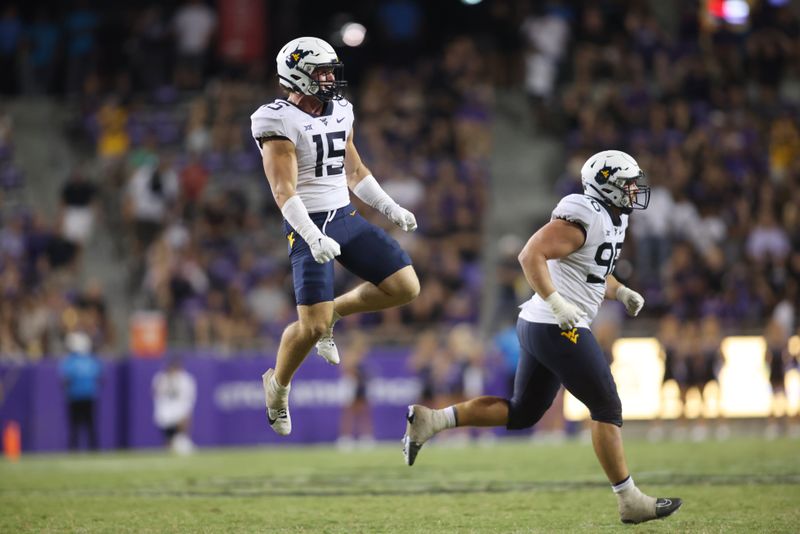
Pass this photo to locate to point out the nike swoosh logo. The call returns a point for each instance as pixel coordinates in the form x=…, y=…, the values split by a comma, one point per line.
x=272, y=421
x=352, y=213
x=340, y=120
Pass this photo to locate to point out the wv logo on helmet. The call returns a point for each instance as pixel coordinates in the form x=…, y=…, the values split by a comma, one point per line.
x=294, y=58
x=603, y=174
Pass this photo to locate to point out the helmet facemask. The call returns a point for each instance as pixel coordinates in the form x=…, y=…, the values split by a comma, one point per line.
x=330, y=89
x=634, y=193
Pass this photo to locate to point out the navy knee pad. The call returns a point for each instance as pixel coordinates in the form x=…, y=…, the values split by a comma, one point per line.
x=609, y=412
x=520, y=417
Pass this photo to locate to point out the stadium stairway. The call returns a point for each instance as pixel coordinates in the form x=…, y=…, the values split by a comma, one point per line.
x=525, y=164
x=40, y=150
x=43, y=151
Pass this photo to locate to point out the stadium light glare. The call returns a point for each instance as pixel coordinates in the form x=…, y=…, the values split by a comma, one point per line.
x=353, y=34
x=471, y=2
x=736, y=11
x=743, y=382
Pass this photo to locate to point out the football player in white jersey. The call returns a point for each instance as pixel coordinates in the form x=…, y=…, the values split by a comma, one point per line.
x=310, y=160
x=568, y=263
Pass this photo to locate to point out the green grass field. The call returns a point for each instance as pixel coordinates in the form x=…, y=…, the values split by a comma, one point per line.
x=734, y=486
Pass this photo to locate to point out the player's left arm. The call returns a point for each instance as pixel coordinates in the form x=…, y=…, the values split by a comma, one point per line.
x=632, y=300
x=366, y=187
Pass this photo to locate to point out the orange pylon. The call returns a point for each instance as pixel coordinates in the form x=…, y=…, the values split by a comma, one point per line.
x=12, y=441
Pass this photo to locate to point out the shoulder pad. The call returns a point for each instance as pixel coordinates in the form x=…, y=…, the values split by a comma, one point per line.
x=270, y=120
x=578, y=209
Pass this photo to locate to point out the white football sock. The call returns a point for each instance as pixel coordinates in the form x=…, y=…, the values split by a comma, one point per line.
x=445, y=418
x=273, y=383
x=622, y=486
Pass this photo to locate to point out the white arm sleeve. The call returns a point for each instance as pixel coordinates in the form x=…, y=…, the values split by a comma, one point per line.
x=295, y=213
x=373, y=194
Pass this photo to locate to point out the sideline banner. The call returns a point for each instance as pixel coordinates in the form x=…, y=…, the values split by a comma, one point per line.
x=230, y=401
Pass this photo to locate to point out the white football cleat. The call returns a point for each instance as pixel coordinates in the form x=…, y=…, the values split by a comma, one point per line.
x=326, y=347
x=636, y=507
x=277, y=405
x=419, y=429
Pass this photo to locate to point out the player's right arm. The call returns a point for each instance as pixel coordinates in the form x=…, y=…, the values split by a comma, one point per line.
x=280, y=165
x=557, y=239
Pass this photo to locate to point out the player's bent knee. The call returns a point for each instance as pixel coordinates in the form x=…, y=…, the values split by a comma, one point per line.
x=410, y=290
x=520, y=417
x=313, y=329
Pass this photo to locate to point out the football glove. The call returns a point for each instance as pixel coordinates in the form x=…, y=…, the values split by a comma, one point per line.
x=324, y=249
x=567, y=314
x=632, y=300
x=402, y=218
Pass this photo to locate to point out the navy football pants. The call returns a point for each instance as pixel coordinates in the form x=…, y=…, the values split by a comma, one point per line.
x=551, y=357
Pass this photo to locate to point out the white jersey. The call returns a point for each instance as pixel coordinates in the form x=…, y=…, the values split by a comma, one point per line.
x=319, y=143
x=581, y=277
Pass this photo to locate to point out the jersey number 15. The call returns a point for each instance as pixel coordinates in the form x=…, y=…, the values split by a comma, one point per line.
x=329, y=170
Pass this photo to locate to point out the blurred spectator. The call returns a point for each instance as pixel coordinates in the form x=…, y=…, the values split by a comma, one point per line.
x=546, y=35
x=355, y=425
x=81, y=373
x=112, y=137
x=94, y=316
x=149, y=196
x=507, y=344
x=78, y=208
x=675, y=372
x=710, y=345
x=174, y=395
x=34, y=325
x=512, y=288
x=194, y=24
x=425, y=352
x=777, y=359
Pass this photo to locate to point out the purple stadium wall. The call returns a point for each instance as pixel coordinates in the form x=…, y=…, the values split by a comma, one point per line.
x=230, y=401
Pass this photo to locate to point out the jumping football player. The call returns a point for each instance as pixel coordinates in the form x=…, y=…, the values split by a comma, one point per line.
x=306, y=143
x=568, y=263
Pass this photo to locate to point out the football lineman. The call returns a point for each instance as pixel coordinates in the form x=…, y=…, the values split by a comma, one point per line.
x=569, y=264
x=306, y=143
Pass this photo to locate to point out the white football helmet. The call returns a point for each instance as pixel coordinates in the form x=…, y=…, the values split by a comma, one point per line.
x=297, y=61
x=615, y=178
